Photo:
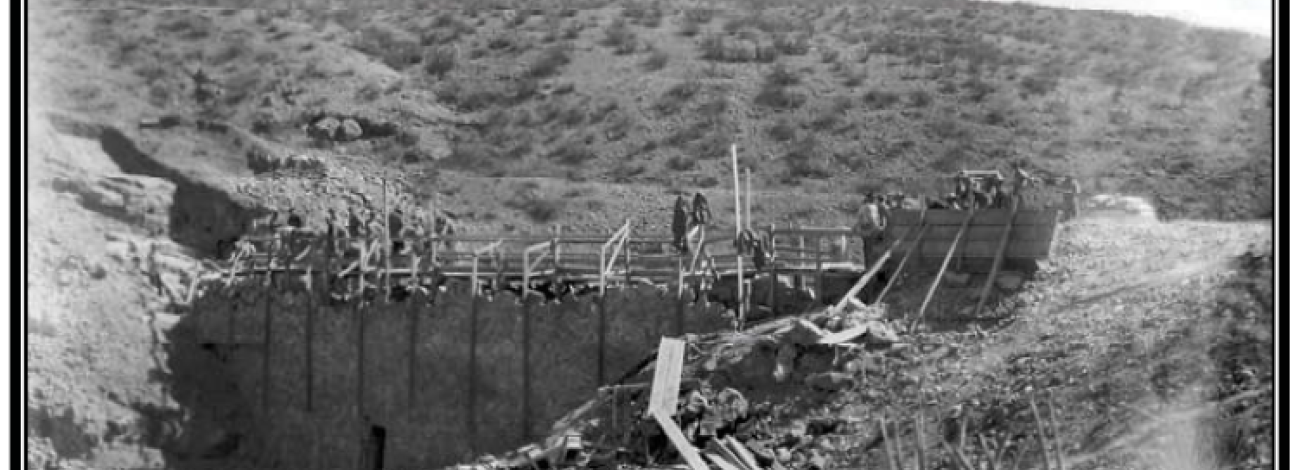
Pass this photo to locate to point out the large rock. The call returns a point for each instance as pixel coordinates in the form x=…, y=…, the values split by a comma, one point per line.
x=324, y=129
x=830, y=381
x=879, y=332
x=350, y=130
x=1010, y=281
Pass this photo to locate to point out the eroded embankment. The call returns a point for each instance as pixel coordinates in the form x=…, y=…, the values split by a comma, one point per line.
x=445, y=376
x=200, y=213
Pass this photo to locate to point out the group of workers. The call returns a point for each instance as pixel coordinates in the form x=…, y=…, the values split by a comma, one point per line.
x=348, y=233
x=688, y=216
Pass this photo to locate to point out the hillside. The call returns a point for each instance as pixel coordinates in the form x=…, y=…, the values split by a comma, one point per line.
x=825, y=97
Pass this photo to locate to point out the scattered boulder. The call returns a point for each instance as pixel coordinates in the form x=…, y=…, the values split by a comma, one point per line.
x=830, y=381
x=879, y=332
x=350, y=130
x=955, y=279
x=324, y=129
x=1010, y=280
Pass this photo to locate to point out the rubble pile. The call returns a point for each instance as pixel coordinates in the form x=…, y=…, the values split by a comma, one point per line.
x=744, y=401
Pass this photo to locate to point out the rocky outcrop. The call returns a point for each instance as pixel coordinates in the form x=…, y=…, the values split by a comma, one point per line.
x=141, y=200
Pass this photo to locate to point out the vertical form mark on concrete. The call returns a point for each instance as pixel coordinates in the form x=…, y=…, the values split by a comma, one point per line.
x=472, y=397
x=310, y=334
x=601, y=332
x=771, y=270
x=526, y=422
x=359, y=311
x=266, y=348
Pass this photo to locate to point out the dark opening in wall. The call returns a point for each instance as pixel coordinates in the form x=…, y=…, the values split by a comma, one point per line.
x=375, y=448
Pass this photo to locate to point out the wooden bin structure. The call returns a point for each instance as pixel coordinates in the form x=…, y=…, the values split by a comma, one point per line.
x=1032, y=235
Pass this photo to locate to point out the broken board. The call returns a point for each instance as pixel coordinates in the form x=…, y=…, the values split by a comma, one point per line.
x=668, y=377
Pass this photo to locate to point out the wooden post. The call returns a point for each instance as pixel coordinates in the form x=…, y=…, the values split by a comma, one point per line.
x=821, y=286
x=942, y=268
x=388, y=244
x=740, y=259
x=998, y=257
x=920, y=235
x=920, y=441
x=749, y=199
x=527, y=421
x=771, y=270
x=627, y=257
x=677, y=303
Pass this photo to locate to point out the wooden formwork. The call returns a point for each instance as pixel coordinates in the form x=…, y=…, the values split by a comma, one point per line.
x=1032, y=235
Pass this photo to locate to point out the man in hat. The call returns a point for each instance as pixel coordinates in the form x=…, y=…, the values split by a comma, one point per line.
x=1072, y=191
x=681, y=218
x=871, y=225
x=700, y=213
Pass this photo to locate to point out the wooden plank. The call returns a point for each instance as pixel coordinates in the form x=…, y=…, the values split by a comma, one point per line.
x=997, y=259
x=683, y=446
x=938, y=217
x=939, y=276
x=988, y=249
x=668, y=376
x=989, y=233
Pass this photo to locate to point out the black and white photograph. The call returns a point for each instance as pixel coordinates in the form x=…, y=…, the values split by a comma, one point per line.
x=648, y=235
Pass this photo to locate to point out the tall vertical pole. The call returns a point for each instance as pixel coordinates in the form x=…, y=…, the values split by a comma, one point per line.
x=388, y=243
x=740, y=259
x=749, y=199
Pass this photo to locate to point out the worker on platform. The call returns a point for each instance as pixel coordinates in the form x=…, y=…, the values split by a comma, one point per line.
x=395, y=230
x=681, y=219
x=700, y=213
x=997, y=192
x=1072, y=191
x=871, y=225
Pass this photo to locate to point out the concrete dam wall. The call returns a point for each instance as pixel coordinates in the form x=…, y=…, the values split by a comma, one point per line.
x=440, y=376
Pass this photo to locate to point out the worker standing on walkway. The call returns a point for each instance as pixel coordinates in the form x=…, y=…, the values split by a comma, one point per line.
x=700, y=211
x=1072, y=191
x=681, y=218
x=871, y=225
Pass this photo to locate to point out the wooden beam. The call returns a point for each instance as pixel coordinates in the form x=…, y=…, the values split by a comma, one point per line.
x=668, y=376
x=679, y=441
x=866, y=278
x=907, y=256
x=997, y=259
x=939, y=276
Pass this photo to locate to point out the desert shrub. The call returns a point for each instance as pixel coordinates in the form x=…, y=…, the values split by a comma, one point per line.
x=707, y=182
x=788, y=44
x=408, y=138
x=228, y=52
x=572, y=153
x=151, y=73
x=159, y=96
x=550, y=62
x=880, y=99
x=853, y=80
x=681, y=163
x=689, y=29
x=698, y=15
x=538, y=208
x=620, y=38
x=657, y=61
x=684, y=135
x=472, y=156
x=1037, y=84
x=801, y=162
x=397, y=54
x=779, y=97
x=368, y=93
x=715, y=145
x=618, y=128
x=573, y=32
x=439, y=61
x=501, y=42
x=625, y=172
x=676, y=97
x=830, y=56
x=572, y=116
x=781, y=75
x=783, y=131
x=920, y=99
x=715, y=107
x=827, y=120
